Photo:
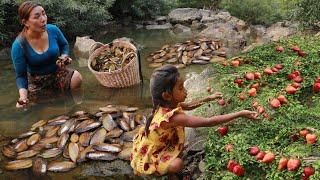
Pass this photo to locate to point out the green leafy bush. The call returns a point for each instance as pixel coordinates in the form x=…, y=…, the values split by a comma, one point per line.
x=309, y=13
x=275, y=134
x=259, y=12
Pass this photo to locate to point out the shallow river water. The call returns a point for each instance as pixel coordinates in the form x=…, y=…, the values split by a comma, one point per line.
x=91, y=97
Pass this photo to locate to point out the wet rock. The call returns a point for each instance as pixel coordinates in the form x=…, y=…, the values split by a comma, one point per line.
x=184, y=15
x=220, y=17
x=279, y=30
x=196, y=25
x=181, y=29
x=161, y=20
x=106, y=169
x=82, y=46
x=162, y=26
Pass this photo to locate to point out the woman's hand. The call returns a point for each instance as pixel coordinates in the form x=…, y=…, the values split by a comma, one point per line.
x=22, y=103
x=248, y=114
x=214, y=96
x=63, y=60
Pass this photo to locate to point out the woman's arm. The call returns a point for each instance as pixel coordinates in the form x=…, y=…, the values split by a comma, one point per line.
x=194, y=104
x=182, y=119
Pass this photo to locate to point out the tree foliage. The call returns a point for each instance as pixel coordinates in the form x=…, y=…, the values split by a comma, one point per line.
x=309, y=13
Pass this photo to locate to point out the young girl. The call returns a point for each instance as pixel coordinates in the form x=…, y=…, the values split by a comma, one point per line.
x=157, y=146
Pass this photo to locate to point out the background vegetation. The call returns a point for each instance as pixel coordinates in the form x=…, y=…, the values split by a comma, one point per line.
x=77, y=17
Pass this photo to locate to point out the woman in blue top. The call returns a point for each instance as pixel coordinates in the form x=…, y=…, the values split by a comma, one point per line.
x=34, y=55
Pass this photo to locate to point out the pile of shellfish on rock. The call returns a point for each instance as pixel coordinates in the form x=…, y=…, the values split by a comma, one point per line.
x=60, y=143
x=112, y=58
x=201, y=51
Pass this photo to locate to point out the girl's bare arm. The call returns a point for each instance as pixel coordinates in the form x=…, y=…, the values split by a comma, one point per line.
x=194, y=104
x=194, y=121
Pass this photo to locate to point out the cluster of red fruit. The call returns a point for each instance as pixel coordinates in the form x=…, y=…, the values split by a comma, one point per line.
x=296, y=77
x=260, y=109
x=296, y=49
x=235, y=168
x=311, y=138
x=277, y=102
x=235, y=63
x=274, y=69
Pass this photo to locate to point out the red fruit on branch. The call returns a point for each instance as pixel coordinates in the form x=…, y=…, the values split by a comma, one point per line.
x=308, y=171
x=290, y=89
x=293, y=164
x=260, y=155
x=268, y=158
x=238, y=170
x=249, y=76
x=223, y=130
x=282, y=99
x=316, y=87
x=268, y=71
x=231, y=165
x=275, y=103
x=282, y=163
x=279, y=49
x=254, y=150
x=278, y=66
x=257, y=75
x=311, y=138
x=303, y=133
x=252, y=92
x=298, y=79
x=295, y=48
x=235, y=63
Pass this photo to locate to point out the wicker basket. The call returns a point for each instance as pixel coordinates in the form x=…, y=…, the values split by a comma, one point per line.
x=129, y=75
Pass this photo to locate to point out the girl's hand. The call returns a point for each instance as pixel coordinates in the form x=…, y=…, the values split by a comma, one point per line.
x=63, y=60
x=21, y=103
x=215, y=96
x=248, y=114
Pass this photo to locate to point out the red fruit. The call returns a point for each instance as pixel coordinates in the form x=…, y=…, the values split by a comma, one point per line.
x=280, y=49
x=318, y=80
x=282, y=163
x=252, y=92
x=291, y=90
x=225, y=63
x=268, y=71
x=275, y=103
x=268, y=158
x=266, y=115
x=278, y=66
x=229, y=147
x=298, y=79
x=257, y=75
x=274, y=69
x=260, y=109
x=221, y=102
x=293, y=164
x=260, y=155
x=238, y=170
x=223, y=130
x=308, y=171
x=255, y=85
x=231, y=165
x=254, y=150
x=297, y=73
x=296, y=85
x=301, y=53
x=249, y=76
x=255, y=104
x=295, y=48
x=304, y=177
x=235, y=63
x=311, y=138
x=242, y=96
x=303, y=133
x=238, y=81
x=209, y=89
x=282, y=99
x=316, y=87
x=291, y=76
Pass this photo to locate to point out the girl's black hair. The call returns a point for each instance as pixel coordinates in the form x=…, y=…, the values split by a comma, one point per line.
x=162, y=80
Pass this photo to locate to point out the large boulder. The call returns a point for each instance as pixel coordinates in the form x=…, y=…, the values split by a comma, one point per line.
x=181, y=29
x=184, y=15
x=280, y=30
x=82, y=46
x=160, y=26
x=213, y=17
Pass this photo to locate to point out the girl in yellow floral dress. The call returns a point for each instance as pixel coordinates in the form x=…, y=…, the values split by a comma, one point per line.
x=157, y=146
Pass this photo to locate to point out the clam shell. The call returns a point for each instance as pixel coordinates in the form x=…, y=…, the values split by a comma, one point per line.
x=27, y=154
x=82, y=156
x=50, y=153
x=66, y=126
x=52, y=131
x=73, y=151
x=9, y=152
x=88, y=127
x=115, y=133
x=105, y=156
x=85, y=138
x=108, y=122
x=63, y=140
x=61, y=166
x=27, y=134
x=19, y=164
x=98, y=137
x=74, y=138
x=33, y=139
x=38, y=124
x=21, y=146
x=108, y=109
x=113, y=148
x=124, y=125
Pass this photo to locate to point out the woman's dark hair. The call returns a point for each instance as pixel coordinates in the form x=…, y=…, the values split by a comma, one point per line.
x=162, y=80
x=24, y=11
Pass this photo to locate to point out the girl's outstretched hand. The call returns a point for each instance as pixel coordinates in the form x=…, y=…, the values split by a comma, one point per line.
x=249, y=114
